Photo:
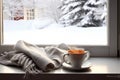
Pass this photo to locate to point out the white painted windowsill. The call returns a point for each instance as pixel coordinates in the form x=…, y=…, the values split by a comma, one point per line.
x=98, y=66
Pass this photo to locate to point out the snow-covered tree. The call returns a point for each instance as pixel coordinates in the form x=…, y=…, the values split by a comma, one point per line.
x=71, y=11
x=52, y=9
x=13, y=8
x=96, y=15
x=29, y=3
x=84, y=13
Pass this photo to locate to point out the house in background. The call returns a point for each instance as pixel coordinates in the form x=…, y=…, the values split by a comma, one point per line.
x=33, y=9
x=25, y=14
x=15, y=12
x=31, y=14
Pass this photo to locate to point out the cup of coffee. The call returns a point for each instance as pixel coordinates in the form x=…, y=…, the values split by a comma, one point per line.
x=76, y=58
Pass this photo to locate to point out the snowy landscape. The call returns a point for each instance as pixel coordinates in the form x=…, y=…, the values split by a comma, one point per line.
x=53, y=34
x=61, y=25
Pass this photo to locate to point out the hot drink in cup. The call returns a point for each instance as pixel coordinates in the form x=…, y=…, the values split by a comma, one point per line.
x=76, y=58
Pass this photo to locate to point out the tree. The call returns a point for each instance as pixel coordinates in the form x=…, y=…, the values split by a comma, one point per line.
x=83, y=13
x=53, y=10
x=71, y=11
x=96, y=15
x=13, y=8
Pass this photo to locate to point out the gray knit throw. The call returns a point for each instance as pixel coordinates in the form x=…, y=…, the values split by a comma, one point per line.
x=34, y=59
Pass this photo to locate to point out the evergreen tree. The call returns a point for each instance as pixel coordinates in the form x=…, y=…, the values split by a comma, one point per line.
x=84, y=13
x=96, y=15
x=72, y=11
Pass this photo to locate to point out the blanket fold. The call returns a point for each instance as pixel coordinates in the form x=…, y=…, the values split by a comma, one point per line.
x=34, y=59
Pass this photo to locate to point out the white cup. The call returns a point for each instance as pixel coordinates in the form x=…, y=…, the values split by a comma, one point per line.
x=76, y=60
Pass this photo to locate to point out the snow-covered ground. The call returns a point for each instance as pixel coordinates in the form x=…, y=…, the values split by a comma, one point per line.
x=49, y=32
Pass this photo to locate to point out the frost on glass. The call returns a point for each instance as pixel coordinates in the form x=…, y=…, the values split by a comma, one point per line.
x=78, y=22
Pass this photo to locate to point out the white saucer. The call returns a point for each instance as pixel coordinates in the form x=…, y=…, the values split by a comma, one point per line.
x=85, y=66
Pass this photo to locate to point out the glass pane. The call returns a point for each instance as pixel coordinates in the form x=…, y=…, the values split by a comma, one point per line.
x=77, y=22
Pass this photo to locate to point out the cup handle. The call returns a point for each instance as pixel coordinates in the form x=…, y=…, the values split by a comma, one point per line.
x=87, y=55
x=64, y=58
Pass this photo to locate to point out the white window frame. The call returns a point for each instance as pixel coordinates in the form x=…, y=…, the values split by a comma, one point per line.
x=110, y=50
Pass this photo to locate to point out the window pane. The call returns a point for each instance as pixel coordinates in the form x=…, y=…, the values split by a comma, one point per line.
x=78, y=22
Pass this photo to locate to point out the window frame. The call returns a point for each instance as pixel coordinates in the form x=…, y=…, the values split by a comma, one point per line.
x=108, y=51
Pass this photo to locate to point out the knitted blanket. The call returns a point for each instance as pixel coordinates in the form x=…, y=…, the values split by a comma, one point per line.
x=34, y=59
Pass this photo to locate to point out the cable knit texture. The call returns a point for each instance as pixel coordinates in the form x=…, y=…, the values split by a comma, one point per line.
x=34, y=59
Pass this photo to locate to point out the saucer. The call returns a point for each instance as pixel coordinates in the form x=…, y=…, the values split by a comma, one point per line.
x=85, y=66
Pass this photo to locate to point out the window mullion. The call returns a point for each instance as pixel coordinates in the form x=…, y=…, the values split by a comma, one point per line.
x=1, y=23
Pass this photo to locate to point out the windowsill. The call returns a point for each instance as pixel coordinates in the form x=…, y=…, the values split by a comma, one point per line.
x=98, y=66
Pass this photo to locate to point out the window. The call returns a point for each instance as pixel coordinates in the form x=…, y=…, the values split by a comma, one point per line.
x=100, y=42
